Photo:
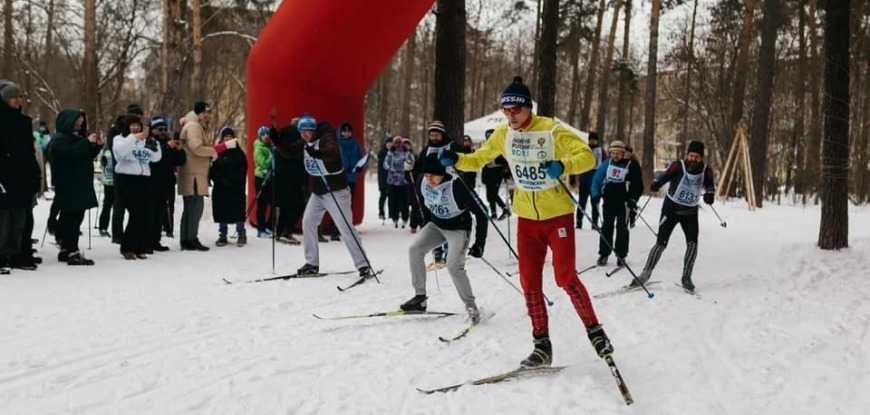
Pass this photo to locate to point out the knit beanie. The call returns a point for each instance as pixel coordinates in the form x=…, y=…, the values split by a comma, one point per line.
x=516, y=94
x=9, y=90
x=135, y=109
x=431, y=165
x=437, y=126
x=158, y=121
x=696, y=147
x=225, y=132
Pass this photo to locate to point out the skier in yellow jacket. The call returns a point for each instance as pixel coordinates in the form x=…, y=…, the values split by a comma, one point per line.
x=540, y=152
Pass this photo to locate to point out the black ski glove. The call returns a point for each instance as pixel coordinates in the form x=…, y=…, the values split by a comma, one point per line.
x=313, y=152
x=476, y=249
x=708, y=198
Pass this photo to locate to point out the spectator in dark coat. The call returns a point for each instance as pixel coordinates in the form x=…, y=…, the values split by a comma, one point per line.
x=229, y=176
x=291, y=182
x=163, y=180
x=71, y=154
x=19, y=180
x=383, y=186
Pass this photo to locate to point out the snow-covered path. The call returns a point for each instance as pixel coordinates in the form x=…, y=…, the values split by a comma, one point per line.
x=780, y=328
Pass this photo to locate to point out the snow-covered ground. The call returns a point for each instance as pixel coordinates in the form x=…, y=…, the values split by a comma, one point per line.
x=780, y=328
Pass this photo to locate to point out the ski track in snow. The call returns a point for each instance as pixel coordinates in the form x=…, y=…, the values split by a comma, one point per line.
x=779, y=328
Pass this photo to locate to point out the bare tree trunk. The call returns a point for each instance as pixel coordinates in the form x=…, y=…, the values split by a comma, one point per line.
x=834, y=226
x=604, y=86
x=814, y=144
x=741, y=70
x=574, y=58
x=47, y=57
x=407, y=82
x=450, y=66
x=8, y=41
x=384, y=101
x=547, y=59
x=89, y=65
x=862, y=177
x=649, y=124
x=758, y=138
x=623, y=81
x=690, y=59
x=539, y=17
x=591, y=68
x=196, y=81
x=800, y=104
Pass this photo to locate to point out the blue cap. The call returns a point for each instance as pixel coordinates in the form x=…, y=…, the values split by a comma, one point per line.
x=307, y=123
x=263, y=131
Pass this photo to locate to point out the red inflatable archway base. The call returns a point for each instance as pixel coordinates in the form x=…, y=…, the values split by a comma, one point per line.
x=321, y=57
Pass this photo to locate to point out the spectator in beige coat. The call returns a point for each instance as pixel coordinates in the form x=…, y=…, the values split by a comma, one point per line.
x=193, y=176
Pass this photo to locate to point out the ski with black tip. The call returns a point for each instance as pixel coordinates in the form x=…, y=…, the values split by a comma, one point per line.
x=624, y=290
x=397, y=313
x=501, y=377
x=360, y=281
x=290, y=277
x=614, y=271
x=620, y=383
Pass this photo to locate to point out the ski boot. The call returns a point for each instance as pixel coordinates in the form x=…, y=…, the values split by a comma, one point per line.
x=602, y=260
x=366, y=272
x=600, y=341
x=63, y=256
x=687, y=283
x=308, y=269
x=473, y=314
x=541, y=356
x=620, y=261
x=222, y=241
x=417, y=303
x=642, y=278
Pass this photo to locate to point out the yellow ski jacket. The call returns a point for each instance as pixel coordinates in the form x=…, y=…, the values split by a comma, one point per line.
x=536, y=197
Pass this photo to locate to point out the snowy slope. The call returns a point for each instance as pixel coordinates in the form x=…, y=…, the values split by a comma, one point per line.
x=780, y=328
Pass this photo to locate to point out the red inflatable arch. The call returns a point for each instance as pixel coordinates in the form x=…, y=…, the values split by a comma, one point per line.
x=321, y=57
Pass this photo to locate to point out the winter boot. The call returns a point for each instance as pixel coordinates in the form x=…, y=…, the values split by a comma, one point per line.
x=5, y=269
x=264, y=234
x=492, y=212
x=541, y=356
x=128, y=256
x=160, y=248
x=141, y=256
x=62, y=256
x=222, y=241
x=335, y=237
x=417, y=303
x=620, y=261
x=321, y=238
x=242, y=240
x=505, y=213
x=76, y=258
x=308, y=269
x=104, y=233
x=602, y=260
x=599, y=340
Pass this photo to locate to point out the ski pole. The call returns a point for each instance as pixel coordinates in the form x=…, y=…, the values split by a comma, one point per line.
x=722, y=223
x=89, y=229
x=587, y=269
x=346, y=223
x=647, y=225
x=275, y=232
x=640, y=212
x=491, y=220
x=503, y=277
x=606, y=242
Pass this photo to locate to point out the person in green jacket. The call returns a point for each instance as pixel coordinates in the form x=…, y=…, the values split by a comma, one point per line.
x=262, y=180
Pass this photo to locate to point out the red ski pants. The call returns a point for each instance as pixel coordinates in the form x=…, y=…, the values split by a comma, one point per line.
x=533, y=238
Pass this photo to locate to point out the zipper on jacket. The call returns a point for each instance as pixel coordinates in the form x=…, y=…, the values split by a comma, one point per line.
x=535, y=206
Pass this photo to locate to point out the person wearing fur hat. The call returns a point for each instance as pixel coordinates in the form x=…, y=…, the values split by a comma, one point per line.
x=193, y=176
x=541, y=153
x=228, y=175
x=447, y=206
x=618, y=181
x=690, y=180
x=163, y=180
x=329, y=193
x=398, y=162
x=20, y=178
